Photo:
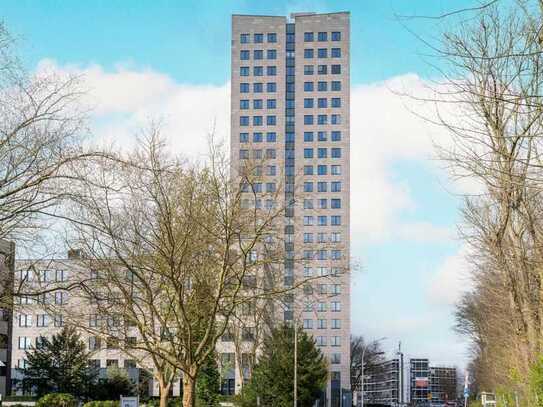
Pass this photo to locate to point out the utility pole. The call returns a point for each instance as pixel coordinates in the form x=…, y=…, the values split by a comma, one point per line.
x=295, y=365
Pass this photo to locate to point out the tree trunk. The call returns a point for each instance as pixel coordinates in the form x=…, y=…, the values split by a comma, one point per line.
x=189, y=391
x=164, y=394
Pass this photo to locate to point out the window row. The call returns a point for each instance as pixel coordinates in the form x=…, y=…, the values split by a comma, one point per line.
x=322, y=255
x=322, y=36
x=269, y=153
x=322, y=86
x=322, y=102
x=322, y=152
x=322, y=186
x=271, y=137
x=322, y=53
x=257, y=203
x=322, y=136
x=321, y=271
x=270, y=170
x=258, y=38
x=257, y=104
x=258, y=120
x=309, y=220
x=323, y=324
x=43, y=276
x=258, y=54
x=57, y=297
x=258, y=71
x=322, y=341
x=322, y=119
x=259, y=187
x=321, y=306
x=258, y=87
x=323, y=203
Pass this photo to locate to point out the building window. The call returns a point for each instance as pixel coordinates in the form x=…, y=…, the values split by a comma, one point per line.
x=257, y=137
x=258, y=71
x=308, y=86
x=336, y=237
x=336, y=170
x=42, y=320
x=308, y=187
x=336, y=323
x=322, y=186
x=322, y=169
x=244, y=71
x=271, y=170
x=308, y=220
x=271, y=103
x=270, y=187
x=244, y=38
x=322, y=220
x=336, y=36
x=258, y=87
x=335, y=186
x=308, y=37
x=308, y=324
x=336, y=220
x=258, y=54
x=335, y=341
x=336, y=136
x=308, y=136
x=94, y=343
x=320, y=341
x=308, y=170
x=322, y=53
x=243, y=154
x=322, y=86
x=308, y=204
x=271, y=70
x=336, y=152
x=244, y=88
x=308, y=237
x=243, y=137
x=308, y=119
x=322, y=152
x=258, y=38
x=308, y=53
x=322, y=119
x=335, y=69
x=25, y=320
x=272, y=37
x=61, y=298
x=271, y=137
x=335, y=119
x=322, y=102
x=323, y=36
x=335, y=203
x=270, y=153
x=244, y=55
x=336, y=52
x=321, y=136
x=244, y=120
x=271, y=120
x=271, y=54
x=308, y=103
x=323, y=204
x=335, y=358
x=58, y=321
x=24, y=342
x=336, y=102
x=336, y=255
x=271, y=87
x=322, y=70
x=335, y=306
x=244, y=104
x=321, y=323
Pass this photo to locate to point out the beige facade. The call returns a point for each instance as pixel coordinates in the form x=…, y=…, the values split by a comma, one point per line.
x=309, y=136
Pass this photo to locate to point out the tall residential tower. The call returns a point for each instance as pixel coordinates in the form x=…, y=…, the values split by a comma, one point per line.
x=290, y=107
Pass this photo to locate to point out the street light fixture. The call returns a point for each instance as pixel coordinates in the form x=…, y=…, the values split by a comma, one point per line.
x=362, y=367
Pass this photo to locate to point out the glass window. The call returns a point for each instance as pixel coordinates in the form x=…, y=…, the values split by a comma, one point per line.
x=335, y=69
x=322, y=86
x=308, y=119
x=308, y=153
x=322, y=102
x=335, y=203
x=336, y=136
x=258, y=38
x=335, y=341
x=258, y=54
x=271, y=70
x=322, y=136
x=270, y=153
x=322, y=186
x=336, y=86
x=244, y=120
x=271, y=187
x=257, y=120
x=336, y=237
x=335, y=306
x=308, y=187
x=257, y=137
x=321, y=323
x=271, y=103
x=258, y=87
x=244, y=55
x=336, y=170
x=322, y=53
x=336, y=186
x=271, y=120
x=308, y=86
x=322, y=70
x=308, y=170
x=243, y=137
x=336, y=220
x=308, y=204
x=271, y=54
x=271, y=137
x=336, y=102
x=322, y=119
x=336, y=36
x=322, y=169
x=336, y=152
x=308, y=324
x=244, y=88
x=244, y=71
x=308, y=102
x=257, y=103
x=244, y=104
x=335, y=358
x=308, y=136
x=258, y=70
x=336, y=52
x=322, y=152
x=323, y=204
x=308, y=36
x=272, y=37
x=335, y=119
x=271, y=87
x=308, y=53
x=323, y=36
x=244, y=38
x=308, y=69
x=308, y=220
x=271, y=170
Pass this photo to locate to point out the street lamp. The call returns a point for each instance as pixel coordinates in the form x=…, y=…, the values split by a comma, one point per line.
x=362, y=367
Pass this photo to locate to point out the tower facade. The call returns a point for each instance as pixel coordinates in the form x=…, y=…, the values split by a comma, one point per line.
x=290, y=102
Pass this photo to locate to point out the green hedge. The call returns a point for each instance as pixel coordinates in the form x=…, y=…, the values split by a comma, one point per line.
x=106, y=403
x=57, y=400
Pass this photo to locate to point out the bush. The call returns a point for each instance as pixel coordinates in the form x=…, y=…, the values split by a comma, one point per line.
x=57, y=400
x=104, y=403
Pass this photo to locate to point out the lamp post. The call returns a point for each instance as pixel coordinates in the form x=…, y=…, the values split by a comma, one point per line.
x=362, y=366
x=295, y=364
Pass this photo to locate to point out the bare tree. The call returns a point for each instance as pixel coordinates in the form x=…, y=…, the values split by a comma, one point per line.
x=364, y=353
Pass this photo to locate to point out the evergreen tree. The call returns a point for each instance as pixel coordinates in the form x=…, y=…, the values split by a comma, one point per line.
x=273, y=376
x=208, y=383
x=60, y=364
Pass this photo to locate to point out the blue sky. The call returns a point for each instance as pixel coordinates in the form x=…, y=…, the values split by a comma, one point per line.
x=162, y=57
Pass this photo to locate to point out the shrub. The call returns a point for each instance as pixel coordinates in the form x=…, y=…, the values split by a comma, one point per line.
x=104, y=403
x=57, y=400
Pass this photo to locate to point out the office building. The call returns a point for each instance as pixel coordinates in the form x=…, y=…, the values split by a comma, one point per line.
x=290, y=108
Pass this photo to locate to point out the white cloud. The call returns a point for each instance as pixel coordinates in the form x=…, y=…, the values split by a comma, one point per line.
x=450, y=280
